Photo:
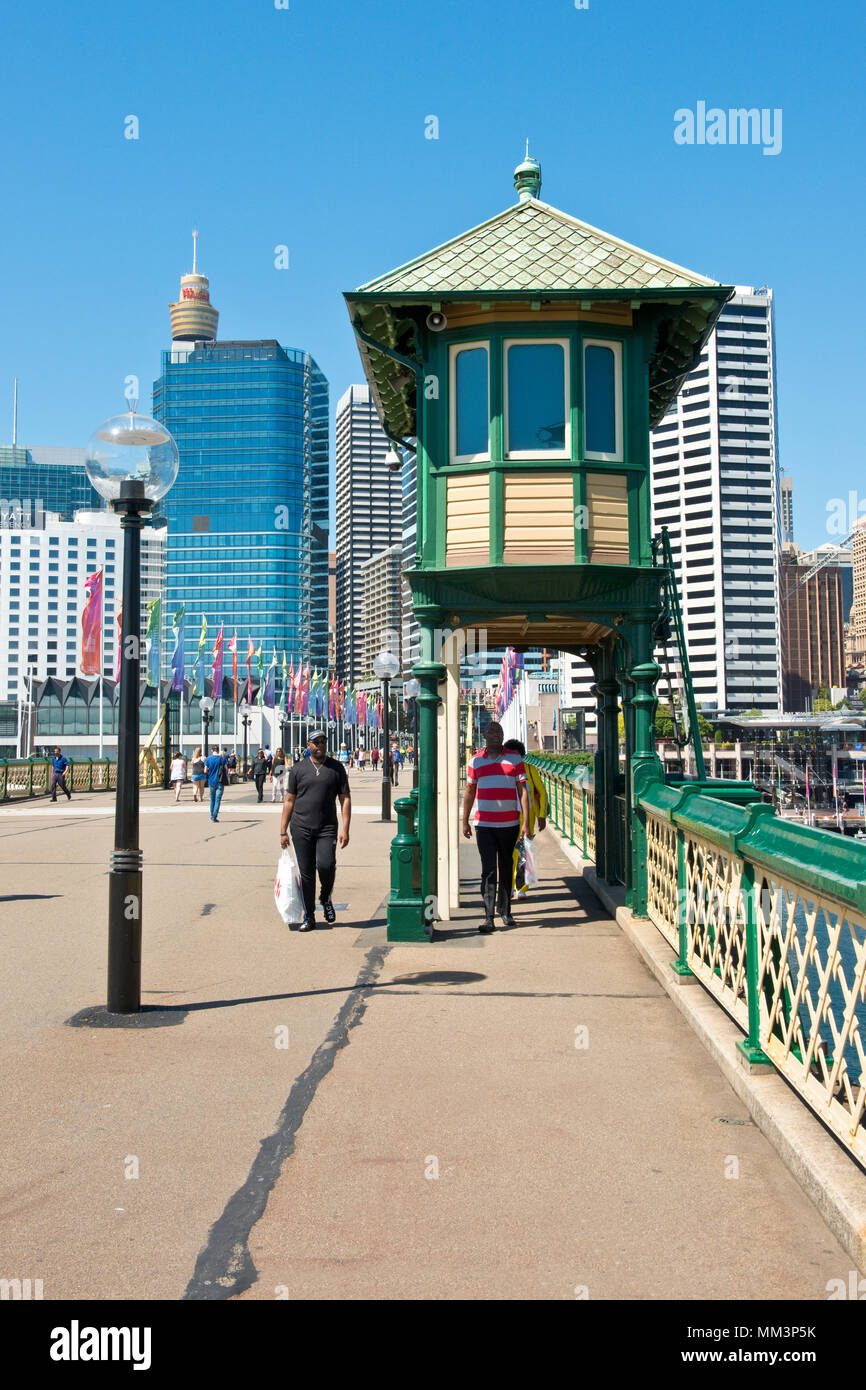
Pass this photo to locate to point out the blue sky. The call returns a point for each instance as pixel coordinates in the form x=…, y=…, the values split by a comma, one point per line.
x=305, y=127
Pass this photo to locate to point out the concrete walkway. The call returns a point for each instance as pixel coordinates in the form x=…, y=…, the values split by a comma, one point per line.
x=524, y=1115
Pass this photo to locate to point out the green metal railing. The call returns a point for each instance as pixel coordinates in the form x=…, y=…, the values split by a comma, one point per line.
x=769, y=915
x=771, y=918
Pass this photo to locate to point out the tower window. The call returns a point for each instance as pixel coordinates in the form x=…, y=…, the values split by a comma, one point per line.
x=602, y=387
x=536, y=398
x=470, y=403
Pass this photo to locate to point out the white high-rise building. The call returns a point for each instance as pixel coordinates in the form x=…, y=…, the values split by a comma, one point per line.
x=369, y=518
x=42, y=572
x=715, y=485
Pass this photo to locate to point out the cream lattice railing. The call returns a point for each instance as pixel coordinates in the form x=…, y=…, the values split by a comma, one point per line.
x=771, y=918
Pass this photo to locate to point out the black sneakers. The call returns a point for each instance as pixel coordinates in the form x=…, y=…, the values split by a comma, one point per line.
x=308, y=924
x=487, y=926
x=508, y=920
x=328, y=910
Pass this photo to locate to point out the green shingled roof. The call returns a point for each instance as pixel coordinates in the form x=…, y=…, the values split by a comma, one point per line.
x=533, y=247
x=533, y=253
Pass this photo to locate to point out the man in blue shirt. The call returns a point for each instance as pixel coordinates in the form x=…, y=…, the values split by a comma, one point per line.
x=58, y=775
x=214, y=769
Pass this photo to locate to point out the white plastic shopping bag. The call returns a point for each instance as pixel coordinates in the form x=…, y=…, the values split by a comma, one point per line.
x=530, y=871
x=287, y=890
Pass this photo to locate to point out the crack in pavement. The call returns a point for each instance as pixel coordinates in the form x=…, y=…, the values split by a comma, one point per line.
x=225, y=1267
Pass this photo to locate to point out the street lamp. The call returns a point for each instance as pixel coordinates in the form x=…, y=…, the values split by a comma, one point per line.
x=206, y=706
x=385, y=668
x=284, y=723
x=246, y=720
x=412, y=689
x=132, y=461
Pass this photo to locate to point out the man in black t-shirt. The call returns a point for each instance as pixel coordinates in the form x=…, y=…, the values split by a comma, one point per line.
x=310, y=807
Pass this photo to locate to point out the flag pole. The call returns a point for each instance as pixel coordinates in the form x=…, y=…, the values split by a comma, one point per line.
x=101, y=655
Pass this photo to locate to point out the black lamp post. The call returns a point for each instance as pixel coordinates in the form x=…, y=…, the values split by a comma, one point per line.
x=206, y=707
x=412, y=689
x=131, y=461
x=246, y=720
x=385, y=668
x=284, y=724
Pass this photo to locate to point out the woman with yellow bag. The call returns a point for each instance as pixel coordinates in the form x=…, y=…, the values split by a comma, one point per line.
x=537, y=814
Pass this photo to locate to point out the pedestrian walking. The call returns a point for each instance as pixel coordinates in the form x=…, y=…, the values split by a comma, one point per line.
x=279, y=775
x=260, y=772
x=232, y=765
x=177, y=773
x=216, y=771
x=310, y=811
x=374, y=758
x=59, y=764
x=197, y=776
x=498, y=781
x=344, y=755
x=537, y=809
x=362, y=760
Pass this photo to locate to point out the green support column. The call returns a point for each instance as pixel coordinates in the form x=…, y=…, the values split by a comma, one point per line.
x=428, y=674
x=606, y=763
x=750, y=1047
x=627, y=687
x=645, y=765
x=680, y=966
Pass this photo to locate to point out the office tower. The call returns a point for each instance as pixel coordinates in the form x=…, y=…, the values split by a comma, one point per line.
x=332, y=612
x=369, y=517
x=42, y=595
x=786, y=500
x=43, y=478
x=248, y=514
x=857, y=631
x=813, y=630
x=382, y=605
x=715, y=485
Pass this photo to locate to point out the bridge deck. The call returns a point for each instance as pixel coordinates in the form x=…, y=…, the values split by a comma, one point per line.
x=607, y=1167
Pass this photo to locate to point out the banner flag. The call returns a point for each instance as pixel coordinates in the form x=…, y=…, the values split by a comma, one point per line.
x=285, y=687
x=151, y=636
x=259, y=692
x=217, y=670
x=178, y=656
x=233, y=648
x=269, y=687
x=119, y=636
x=198, y=670
x=91, y=626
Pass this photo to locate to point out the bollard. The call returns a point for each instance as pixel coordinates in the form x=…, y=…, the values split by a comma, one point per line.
x=409, y=918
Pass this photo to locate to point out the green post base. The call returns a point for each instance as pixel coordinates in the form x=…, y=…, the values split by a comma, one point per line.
x=753, y=1055
x=406, y=921
x=679, y=969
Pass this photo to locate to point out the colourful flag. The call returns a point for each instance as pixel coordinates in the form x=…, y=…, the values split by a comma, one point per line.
x=284, y=691
x=305, y=690
x=269, y=687
x=258, y=699
x=91, y=626
x=233, y=648
x=198, y=671
x=119, y=639
x=178, y=656
x=250, y=655
x=217, y=671
x=151, y=637
x=290, y=691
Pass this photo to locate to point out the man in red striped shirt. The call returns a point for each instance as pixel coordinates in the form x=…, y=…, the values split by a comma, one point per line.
x=498, y=781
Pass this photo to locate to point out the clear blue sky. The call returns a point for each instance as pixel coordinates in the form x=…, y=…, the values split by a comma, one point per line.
x=306, y=126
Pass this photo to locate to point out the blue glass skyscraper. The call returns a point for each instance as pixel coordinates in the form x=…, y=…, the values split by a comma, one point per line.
x=248, y=515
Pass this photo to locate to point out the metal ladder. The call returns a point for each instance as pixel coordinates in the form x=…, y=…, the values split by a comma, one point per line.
x=669, y=634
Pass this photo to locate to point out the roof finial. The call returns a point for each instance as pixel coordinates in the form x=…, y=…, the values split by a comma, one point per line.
x=527, y=177
x=194, y=247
